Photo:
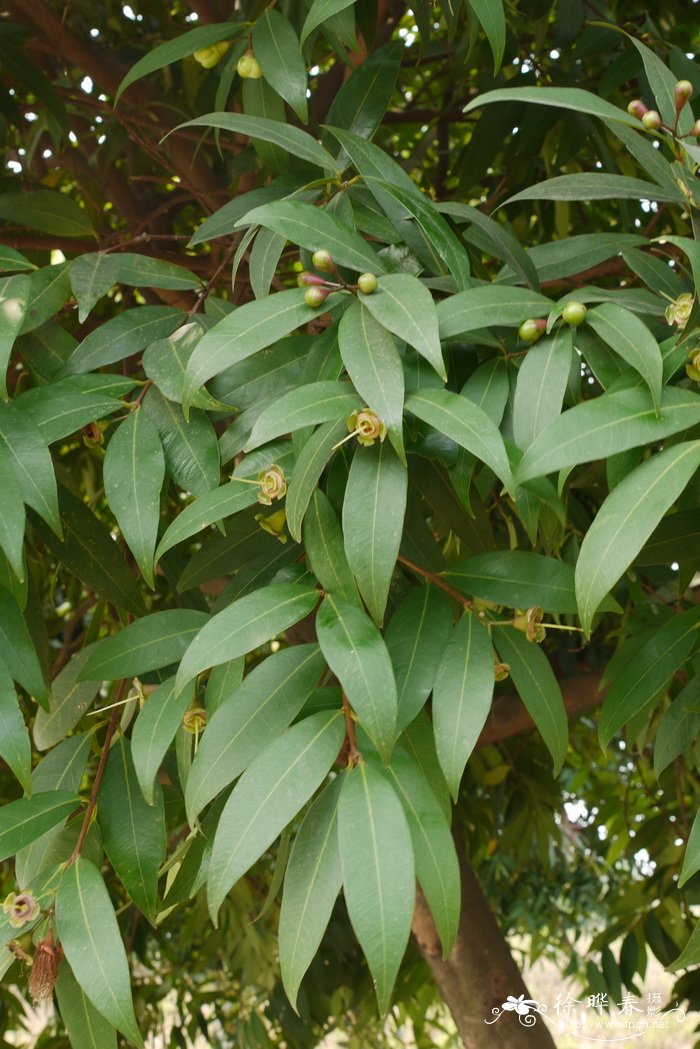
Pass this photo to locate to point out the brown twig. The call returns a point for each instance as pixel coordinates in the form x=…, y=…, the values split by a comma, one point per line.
x=432, y=578
x=99, y=775
x=353, y=753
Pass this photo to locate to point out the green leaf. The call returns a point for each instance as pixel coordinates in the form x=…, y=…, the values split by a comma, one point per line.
x=462, y=696
x=277, y=49
x=678, y=531
x=662, y=82
x=61, y=408
x=224, y=220
x=46, y=210
x=690, y=954
x=437, y=866
x=460, y=419
x=15, y=747
x=134, y=470
x=491, y=304
x=17, y=648
x=133, y=831
x=14, y=296
x=264, y=259
x=648, y=673
x=311, y=227
x=691, y=860
x=541, y=385
x=190, y=446
x=142, y=271
x=372, y=361
x=154, y=730
x=319, y=402
x=309, y=466
x=86, y=1028
x=631, y=339
x=11, y=260
x=244, y=625
x=533, y=677
x=242, y=333
x=607, y=425
x=296, y=142
x=560, y=97
x=376, y=856
x=416, y=637
x=679, y=726
x=148, y=643
x=91, y=277
x=257, y=711
x=90, y=937
x=405, y=306
x=182, y=46
x=222, y=683
x=269, y=794
x=32, y=464
x=325, y=553
x=493, y=21
x=373, y=512
x=311, y=885
x=23, y=821
x=599, y=186
x=319, y=12
x=356, y=653
x=626, y=520
x=213, y=506
x=499, y=239
x=165, y=361
x=12, y=514
x=89, y=551
x=129, y=332
x=50, y=290
x=69, y=699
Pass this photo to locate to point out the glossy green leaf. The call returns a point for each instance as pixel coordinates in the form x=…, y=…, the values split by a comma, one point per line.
x=32, y=464
x=50, y=291
x=499, y=238
x=23, y=821
x=148, y=643
x=691, y=860
x=12, y=260
x=416, y=637
x=270, y=793
x=492, y=304
x=460, y=419
x=311, y=227
x=14, y=296
x=690, y=955
x=319, y=12
x=86, y=1028
x=357, y=654
x=308, y=468
x=12, y=514
x=626, y=520
x=244, y=625
x=405, y=306
x=462, y=696
x=533, y=677
x=629, y=337
x=277, y=49
x=91, y=277
x=133, y=831
x=649, y=672
x=213, y=506
x=257, y=711
x=319, y=402
x=372, y=361
x=143, y=271
x=560, y=97
x=190, y=446
x=598, y=186
x=129, y=332
x=17, y=649
x=373, y=513
x=165, y=361
x=325, y=553
x=134, y=470
x=493, y=21
x=172, y=51
x=46, y=210
x=607, y=425
x=153, y=732
x=69, y=699
x=541, y=385
x=91, y=941
x=437, y=866
x=15, y=747
x=311, y=885
x=264, y=260
x=679, y=726
x=296, y=142
x=376, y=855
x=62, y=407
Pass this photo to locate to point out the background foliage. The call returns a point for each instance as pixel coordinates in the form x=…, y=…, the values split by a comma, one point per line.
x=156, y=212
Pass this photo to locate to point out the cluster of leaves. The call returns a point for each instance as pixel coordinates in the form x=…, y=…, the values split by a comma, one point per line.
x=321, y=671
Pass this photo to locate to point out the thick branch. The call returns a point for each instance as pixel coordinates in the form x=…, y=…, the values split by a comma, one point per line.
x=509, y=717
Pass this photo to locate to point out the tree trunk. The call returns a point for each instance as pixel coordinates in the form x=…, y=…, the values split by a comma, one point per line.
x=479, y=974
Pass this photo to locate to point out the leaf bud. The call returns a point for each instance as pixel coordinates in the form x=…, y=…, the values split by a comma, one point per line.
x=652, y=120
x=367, y=283
x=682, y=92
x=323, y=261
x=636, y=108
x=306, y=280
x=574, y=313
x=530, y=330
x=315, y=297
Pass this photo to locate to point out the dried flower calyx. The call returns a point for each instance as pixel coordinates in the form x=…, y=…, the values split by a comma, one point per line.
x=20, y=907
x=367, y=426
x=530, y=623
x=272, y=485
x=678, y=312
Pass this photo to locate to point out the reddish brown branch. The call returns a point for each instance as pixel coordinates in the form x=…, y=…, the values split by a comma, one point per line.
x=433, y=578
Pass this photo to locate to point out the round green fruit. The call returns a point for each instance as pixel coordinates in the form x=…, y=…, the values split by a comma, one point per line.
x=248, y=67
x=315, y=297
x=367, y=283
x=652, y=120
x=636, y=108
x=323, y=260
x=530, y=330
x=683, y=92
x=574, y=313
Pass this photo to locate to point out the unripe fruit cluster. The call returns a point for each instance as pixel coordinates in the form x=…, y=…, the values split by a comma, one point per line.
x=319, y=288
x=208, y=57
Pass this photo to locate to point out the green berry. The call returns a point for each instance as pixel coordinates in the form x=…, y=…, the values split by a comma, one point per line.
x=367, y=283
x=652, y=120
x=208, y=57
x=323, y=261
x=636, y=108
x=315, y=297
x=248, y=67
x=695, y=129
x=574, y=313
x=683, y=92
x=530, y=330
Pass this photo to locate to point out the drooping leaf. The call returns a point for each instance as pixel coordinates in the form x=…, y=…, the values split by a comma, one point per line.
x=691, y=860
x=679, y=726
x=148, y=643
x=541, y=386
x=278, y=51
x=319, y=12
x=23, y=821
x=296, y=142
x=15, y=747
x=91, y=277
x=376, y=855
x=17, y=649
x=492, y=304
x=308, y=468
x=87, y=1029
x=405, y=306
x=12, y=514
x=598, y=186
x=90, y=938
x=213, y=506
x=319, y=402
x=416, y=637
x=65, y=406
x=32, y=464
x=190, y=446
x=121, y=336
x=560, y=97
x=325, y=553
x=270, y=793
x=153, y=732
x=629, y=337
x=14, y=297
x=493, y=21
x=69, y=699
x=46, y=210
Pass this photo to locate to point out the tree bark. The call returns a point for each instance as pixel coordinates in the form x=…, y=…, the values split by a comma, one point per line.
x=479, y=974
